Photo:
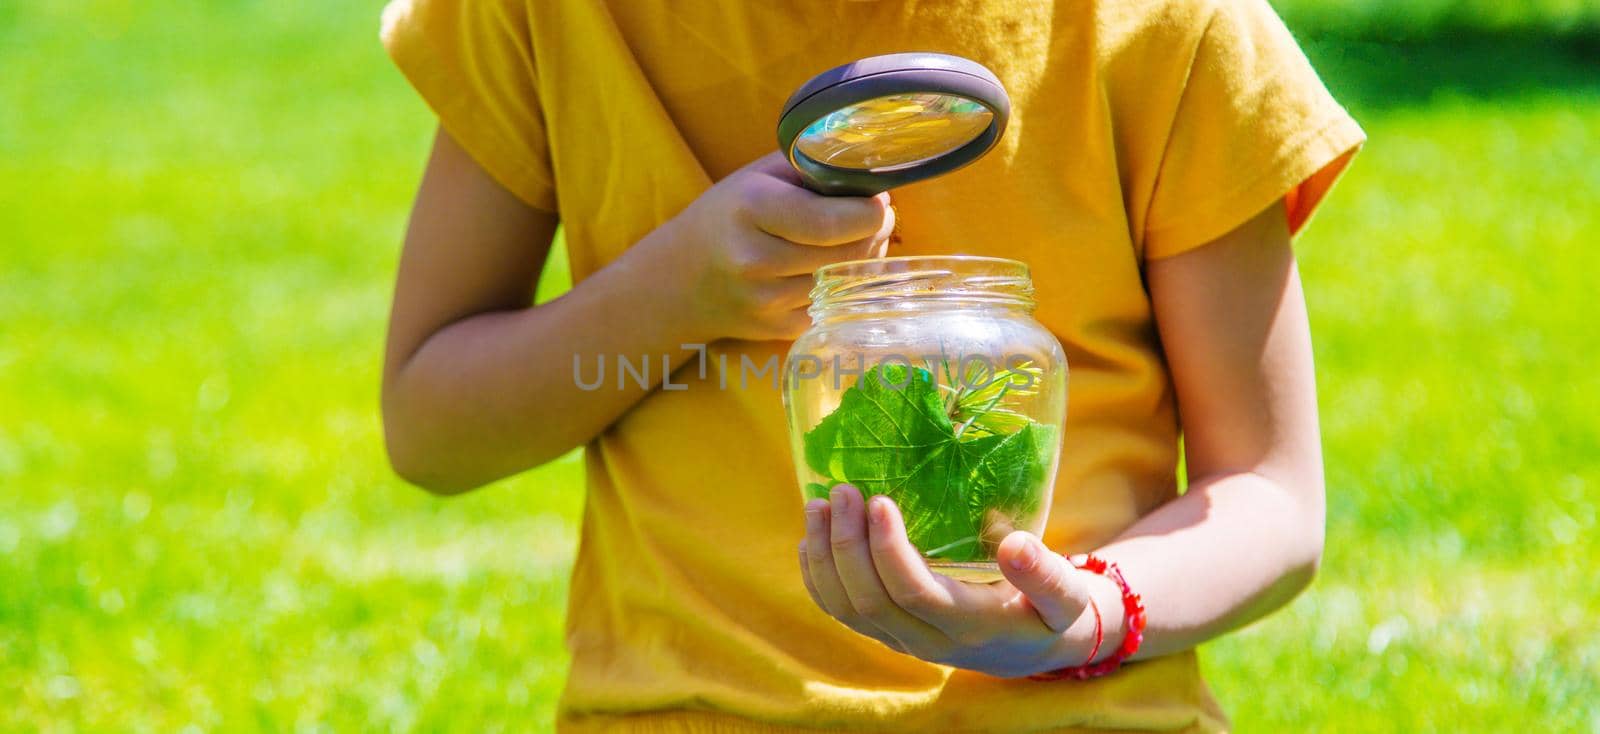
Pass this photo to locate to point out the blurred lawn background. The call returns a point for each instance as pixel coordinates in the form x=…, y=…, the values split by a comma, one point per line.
x=200, y=211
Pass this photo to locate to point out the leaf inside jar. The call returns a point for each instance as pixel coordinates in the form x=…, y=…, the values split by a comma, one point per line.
x=959, y=461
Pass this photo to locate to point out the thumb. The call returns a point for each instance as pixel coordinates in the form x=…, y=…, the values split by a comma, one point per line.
x=1049, y=581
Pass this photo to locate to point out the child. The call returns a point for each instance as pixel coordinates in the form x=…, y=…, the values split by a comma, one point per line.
x=1159, y=157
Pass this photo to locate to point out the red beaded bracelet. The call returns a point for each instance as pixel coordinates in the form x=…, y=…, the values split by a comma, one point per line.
x=1133, y=620
x=1099, y=632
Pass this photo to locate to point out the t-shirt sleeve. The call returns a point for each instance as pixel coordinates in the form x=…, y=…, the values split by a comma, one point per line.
x=473, y=62
x=1254, y=124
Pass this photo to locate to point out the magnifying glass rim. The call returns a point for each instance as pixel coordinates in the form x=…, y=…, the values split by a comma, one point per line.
x=884, y=76
x=916, y=61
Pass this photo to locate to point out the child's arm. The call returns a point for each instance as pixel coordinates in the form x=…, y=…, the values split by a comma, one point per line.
x=479, y=384
x=1247, y=535
x=1242, y=541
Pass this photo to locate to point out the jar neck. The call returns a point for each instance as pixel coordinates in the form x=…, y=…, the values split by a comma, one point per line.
x=913, y=285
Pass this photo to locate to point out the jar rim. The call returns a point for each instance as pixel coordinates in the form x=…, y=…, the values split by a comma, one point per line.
x=914, y=281
x=885, y=265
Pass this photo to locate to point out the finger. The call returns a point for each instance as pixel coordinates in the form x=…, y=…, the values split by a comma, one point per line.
x=879, y=249
x=1050, y=583
x=816, y=598
x=776, y=165
x=910, y=583
x=789, y=292
x=796, y=322
x=830, y=593
x=785, y=325
x=805, y=217
x=805, y=576
x=890, y=220
x=797, y=260
x=852, y=557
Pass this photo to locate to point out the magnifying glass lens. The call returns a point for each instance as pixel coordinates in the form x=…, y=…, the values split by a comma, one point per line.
x=893, y=132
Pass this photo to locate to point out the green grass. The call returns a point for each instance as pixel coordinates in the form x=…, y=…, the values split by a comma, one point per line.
x=1421, y=19
x=1448, y=283
x=199, y=211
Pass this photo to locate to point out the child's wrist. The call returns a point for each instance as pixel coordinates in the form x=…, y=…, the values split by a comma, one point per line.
x=671, y=291
x=1100, y=629
x=1126, y=640
x=1113, y=627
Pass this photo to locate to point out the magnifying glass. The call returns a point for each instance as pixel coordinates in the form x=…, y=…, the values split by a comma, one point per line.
x=886, y=121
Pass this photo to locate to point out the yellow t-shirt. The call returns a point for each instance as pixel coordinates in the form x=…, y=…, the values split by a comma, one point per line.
x=1139, y=129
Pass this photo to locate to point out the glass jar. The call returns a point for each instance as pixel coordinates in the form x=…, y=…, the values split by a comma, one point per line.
x=926, y=379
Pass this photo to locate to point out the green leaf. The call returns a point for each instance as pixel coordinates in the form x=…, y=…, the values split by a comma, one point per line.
x=1007, y=469
x=891, y=435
